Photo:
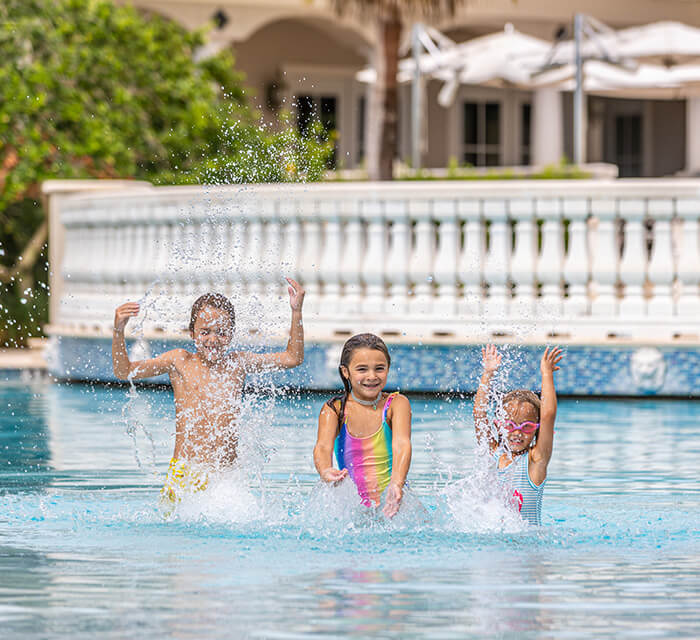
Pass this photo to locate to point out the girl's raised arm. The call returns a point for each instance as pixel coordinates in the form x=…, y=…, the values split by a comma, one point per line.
x=491, y=360
x=401, y=452
x=323, y=451
x=542, y=451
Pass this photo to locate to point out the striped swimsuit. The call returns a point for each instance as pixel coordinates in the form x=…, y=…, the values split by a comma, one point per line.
x=368, y=460
x=527, y=495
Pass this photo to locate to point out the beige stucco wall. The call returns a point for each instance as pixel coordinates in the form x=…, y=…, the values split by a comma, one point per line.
x=312, y=48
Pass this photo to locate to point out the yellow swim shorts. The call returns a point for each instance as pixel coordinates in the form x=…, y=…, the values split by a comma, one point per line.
x=182, y=479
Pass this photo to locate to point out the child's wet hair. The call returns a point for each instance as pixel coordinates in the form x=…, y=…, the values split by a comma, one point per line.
x=216, y=300
x=359, y=341
x=520, y=396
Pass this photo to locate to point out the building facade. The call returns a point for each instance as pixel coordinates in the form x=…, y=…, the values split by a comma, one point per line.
x=302, y=55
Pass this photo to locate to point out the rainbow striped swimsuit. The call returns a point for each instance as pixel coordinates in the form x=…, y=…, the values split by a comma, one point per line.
x=368, y=460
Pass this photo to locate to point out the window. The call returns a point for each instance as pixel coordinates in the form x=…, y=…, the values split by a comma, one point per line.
x=482, y=133
x=525, y=124
x=321, y=108
x=628, y=145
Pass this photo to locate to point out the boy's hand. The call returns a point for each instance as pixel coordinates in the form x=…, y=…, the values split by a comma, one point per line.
x=490, y=358
x=123, y=313
x=333, y=475
x=394, y=493
x=550, y=360
x=296, y=294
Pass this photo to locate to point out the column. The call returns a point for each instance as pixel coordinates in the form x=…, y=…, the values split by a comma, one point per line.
x=692, y=135
x=547, y=127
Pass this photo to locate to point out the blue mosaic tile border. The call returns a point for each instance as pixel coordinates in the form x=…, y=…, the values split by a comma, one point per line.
x=668, y=370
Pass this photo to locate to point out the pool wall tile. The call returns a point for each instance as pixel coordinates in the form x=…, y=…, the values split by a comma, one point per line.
x=669, y=370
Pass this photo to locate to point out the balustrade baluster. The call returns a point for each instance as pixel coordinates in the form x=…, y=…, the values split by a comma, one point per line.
x=421, y=262
x=471, y=259
x=661, y=262
x=235, y=228
x=688, y=209
x=310, y=257
x=271, y=262
x=291, y=242
x=254, y=253
x=576, y=269
x=605, y=258
x=497, y=259
x=373, y=263
x=445, y=268
x=523, y=262
x=352, y=256
x=551, y=259
x=331, y=258
x=633, y=265
x=396, y=265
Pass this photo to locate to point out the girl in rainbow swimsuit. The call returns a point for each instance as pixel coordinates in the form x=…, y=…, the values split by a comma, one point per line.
x=369, y=430
x=521, y=441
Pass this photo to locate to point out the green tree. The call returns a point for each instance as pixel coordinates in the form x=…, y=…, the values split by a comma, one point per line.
x=91, y=89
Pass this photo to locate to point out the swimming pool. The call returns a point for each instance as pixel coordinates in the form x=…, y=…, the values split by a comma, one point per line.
x=84, y=553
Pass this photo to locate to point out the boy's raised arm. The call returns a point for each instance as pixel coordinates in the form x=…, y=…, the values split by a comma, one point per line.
x=491, y=360
x=542, y=451
x=293, y=356
x=122, y=366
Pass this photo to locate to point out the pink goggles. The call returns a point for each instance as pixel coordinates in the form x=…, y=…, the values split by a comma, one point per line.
x=510, y=426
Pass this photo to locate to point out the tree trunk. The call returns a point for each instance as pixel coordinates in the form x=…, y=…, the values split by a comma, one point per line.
x=382, y=125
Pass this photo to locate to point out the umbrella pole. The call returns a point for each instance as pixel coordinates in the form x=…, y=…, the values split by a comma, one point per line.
x=416, y=98
x=579, y=96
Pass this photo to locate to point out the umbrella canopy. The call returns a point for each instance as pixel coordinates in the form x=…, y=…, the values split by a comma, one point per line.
x=650, y=61
x=666, y=44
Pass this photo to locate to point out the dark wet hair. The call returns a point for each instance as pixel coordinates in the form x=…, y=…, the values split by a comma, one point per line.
x=215, y=300
x=360, y=341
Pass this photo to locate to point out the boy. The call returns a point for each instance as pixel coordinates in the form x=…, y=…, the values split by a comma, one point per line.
x=207, y=384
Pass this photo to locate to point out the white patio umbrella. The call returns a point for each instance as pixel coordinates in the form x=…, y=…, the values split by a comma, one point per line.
x=666, y=44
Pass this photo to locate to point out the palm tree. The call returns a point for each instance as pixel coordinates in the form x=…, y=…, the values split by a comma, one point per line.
x=383, y=104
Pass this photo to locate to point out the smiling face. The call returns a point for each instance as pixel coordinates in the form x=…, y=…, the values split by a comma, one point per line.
x=519, y=412
x=212, y=333
x=367, y=372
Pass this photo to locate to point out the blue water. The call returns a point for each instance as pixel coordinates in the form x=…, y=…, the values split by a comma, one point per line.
x=85, y=554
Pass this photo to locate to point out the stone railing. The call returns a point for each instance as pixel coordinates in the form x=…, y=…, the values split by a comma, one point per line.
x=578, y=259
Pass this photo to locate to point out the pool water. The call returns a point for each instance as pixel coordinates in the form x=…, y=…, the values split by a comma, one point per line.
x=84, y=552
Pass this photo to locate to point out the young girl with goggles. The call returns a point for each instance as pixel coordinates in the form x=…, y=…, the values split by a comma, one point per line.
x=521, y=442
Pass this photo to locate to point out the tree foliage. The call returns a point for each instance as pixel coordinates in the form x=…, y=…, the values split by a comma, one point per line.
x=89, y=89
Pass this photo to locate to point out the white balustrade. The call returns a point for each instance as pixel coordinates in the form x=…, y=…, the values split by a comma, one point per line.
x=523, y=262
x=396, y=265
x=634, y=261
x=310, y=257
x=576, y=263
x=470, y=267
x=373, y=262
x=661, y=264
x=605, y=257
x=252, y=262
x=420, y=266
x=550, y=262
x=413, y=257
x=271, y=261
x=445, y=267
x=497, y=262
x=333, y=254
x=688, y=210
x=353, y=254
